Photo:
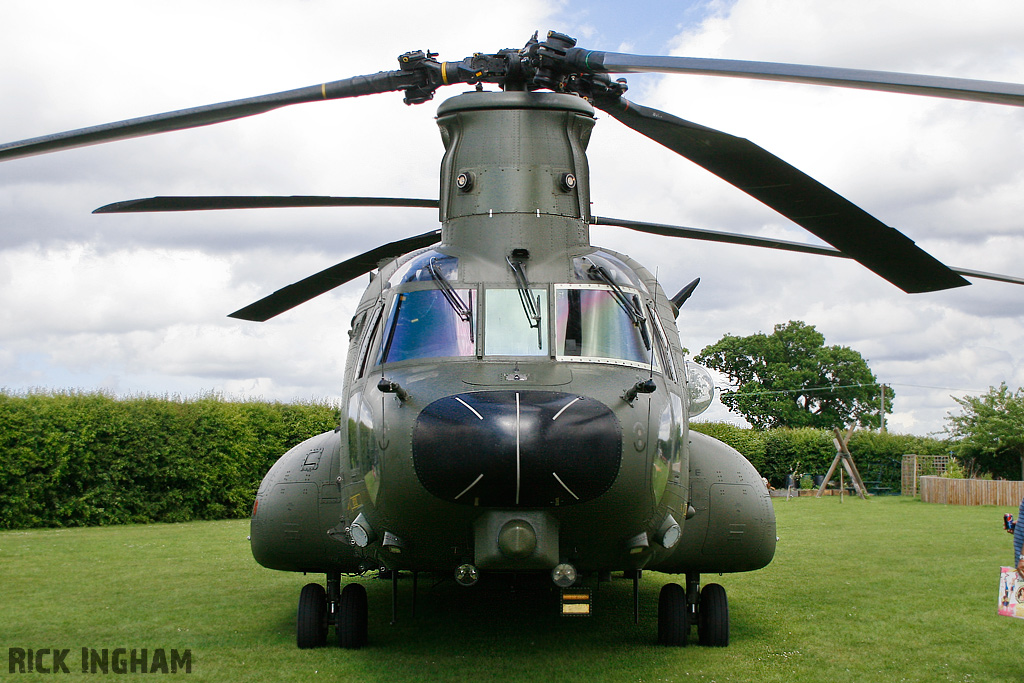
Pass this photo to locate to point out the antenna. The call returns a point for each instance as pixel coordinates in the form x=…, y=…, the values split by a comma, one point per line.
x=654, y=323
x=383, y=322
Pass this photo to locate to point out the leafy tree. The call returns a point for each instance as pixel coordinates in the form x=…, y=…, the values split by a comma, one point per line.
x=791, y=379
x=990, y=430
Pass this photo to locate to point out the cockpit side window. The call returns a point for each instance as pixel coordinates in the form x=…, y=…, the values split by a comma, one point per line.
x=365, y=352
x=664, y=350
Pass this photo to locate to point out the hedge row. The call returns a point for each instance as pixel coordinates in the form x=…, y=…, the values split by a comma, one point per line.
x=82, y=459
x=779, y=452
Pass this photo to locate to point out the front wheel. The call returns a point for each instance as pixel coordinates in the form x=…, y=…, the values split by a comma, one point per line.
x=673, y=615
x=713, y=616
x=353, y=616
x=311, y=619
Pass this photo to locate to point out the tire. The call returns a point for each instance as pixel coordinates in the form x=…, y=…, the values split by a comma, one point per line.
x=713, y=616
x=353, y=613
x=311, y=620
x=673, y=615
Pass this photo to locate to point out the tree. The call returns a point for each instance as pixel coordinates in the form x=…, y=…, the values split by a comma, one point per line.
x=990, y=430
x=791, y=379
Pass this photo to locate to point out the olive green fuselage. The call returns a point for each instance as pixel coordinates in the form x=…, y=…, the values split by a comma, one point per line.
x=514, y=397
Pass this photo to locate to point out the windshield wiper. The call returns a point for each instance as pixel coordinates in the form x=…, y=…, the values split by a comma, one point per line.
x=531, y=308
x=464, y=312
x=631, y=306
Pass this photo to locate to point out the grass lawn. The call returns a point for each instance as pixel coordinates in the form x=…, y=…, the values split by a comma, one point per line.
x=888, y=589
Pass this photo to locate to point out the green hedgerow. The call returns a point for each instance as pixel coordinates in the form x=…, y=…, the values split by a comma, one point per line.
x=779, y=452
x=84, y=459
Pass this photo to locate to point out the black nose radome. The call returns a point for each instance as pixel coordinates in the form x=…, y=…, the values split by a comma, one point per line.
x=517, y=448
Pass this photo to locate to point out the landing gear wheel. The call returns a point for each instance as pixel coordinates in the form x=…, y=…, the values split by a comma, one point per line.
x=311, y=620
x=713, y=616
x=673, y=615
x=352, y=617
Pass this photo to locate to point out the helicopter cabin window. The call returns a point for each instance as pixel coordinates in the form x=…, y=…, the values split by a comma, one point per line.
x=429, y=323
x=372, y=335
x=515, y=322
x=363, y=448
x=602, y=324
x=664, y=350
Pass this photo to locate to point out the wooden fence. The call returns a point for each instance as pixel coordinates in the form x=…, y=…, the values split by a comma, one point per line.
x=971, y=491
x=917, y=466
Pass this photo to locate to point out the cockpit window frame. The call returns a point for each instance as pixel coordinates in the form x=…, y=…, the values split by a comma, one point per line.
x=651, y=358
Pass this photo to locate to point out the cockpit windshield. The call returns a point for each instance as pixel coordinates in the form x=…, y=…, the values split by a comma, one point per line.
x=593, y=325
x=611, y=267
x=597, y=323
x=423, y=324
x=509, y=331
x=418, y=268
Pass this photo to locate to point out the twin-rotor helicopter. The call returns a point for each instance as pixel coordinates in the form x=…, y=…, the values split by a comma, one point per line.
x=516, y=401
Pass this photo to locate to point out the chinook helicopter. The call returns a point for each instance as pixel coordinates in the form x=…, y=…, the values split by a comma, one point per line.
x=516, y=400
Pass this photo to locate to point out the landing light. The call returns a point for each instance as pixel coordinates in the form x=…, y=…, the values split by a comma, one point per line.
x=466, y=575
x=564, y=575
x=669, y=533
x=671, y=537
x=700, y=388
x=361, y=532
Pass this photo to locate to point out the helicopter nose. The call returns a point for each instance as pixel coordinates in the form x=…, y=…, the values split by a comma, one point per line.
x=517, y=448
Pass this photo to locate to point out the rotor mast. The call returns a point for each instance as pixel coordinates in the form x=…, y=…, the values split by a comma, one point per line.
x=515, y=174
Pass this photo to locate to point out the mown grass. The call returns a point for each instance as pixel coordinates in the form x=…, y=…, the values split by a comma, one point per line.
x=888, y=589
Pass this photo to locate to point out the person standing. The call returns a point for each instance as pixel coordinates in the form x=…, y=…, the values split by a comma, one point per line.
x=1018, y=541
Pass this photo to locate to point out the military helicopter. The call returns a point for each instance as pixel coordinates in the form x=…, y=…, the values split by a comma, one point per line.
x=516, y=400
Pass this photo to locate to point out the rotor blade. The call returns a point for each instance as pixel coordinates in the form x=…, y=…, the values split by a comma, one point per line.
x=770, y=243
x=385, y=81
x=153, y=204
x=716, y=236
x=997, y=277
x=795, y=195
x=912, y=84
x=302, y=291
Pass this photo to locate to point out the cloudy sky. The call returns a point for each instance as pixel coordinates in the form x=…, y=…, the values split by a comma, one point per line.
x=137, y=303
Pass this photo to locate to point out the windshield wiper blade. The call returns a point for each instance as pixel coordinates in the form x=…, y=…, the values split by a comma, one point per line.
x=464, y=312
x=632, y=306
x=531, y=308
